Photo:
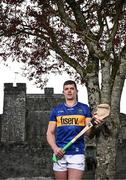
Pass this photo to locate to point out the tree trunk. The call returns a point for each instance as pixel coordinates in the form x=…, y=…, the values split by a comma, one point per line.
x=92, y=83
x=107, y=145
x=106, y=157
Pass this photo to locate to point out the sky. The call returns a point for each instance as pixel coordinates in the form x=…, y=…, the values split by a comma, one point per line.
x=13, y=74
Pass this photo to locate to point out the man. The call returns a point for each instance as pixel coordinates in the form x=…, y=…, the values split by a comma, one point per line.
x=66, y=121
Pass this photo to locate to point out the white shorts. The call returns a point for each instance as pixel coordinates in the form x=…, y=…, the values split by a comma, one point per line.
x=70, y=161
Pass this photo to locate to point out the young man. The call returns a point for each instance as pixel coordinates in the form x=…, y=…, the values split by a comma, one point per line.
x=66, y=121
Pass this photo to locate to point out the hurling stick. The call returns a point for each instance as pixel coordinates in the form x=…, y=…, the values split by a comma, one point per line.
x=103, y=110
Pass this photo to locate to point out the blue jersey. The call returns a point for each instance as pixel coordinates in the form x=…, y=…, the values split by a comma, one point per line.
x=70, y=121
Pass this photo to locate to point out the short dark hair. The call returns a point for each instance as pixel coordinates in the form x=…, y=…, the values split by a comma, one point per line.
x=70, y=82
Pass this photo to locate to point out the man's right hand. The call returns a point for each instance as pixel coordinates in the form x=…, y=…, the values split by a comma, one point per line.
x=58, y=152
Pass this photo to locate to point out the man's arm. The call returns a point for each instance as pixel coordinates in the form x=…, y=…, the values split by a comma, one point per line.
x=87, y=133
x=51, y=139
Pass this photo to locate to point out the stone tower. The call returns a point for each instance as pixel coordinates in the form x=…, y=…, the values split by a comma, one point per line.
x=13, y=119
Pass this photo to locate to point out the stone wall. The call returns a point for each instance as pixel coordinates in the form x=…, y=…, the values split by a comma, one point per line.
x=13, y=119
x=25, y=116
x=23, y=147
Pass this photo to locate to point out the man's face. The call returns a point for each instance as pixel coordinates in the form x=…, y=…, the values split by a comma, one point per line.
x=70, y=92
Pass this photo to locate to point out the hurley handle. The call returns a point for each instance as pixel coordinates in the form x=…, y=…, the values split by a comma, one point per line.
x=55, y=158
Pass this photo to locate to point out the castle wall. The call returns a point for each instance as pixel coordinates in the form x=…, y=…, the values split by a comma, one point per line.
x=25, y=116
x=13, y=118
x=121, y=160
x=38, y=113
x=23, y=138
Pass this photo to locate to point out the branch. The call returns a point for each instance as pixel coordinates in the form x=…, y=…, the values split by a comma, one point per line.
x=64, y=16
x=100, y=18
x=123, y=62
x=78, y=14
x=88, y=37
x=80, y=19
x=73, y=63
x=119, y=6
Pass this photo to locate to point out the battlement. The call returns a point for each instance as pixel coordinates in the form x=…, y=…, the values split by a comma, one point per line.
x=48, y=91
x=19, y=86
x=10, y=88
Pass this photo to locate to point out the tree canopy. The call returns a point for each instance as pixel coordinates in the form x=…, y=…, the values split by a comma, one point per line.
x=50, y=36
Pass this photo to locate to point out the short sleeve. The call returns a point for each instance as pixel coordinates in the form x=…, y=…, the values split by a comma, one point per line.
x=53, y=115
x=88, y=114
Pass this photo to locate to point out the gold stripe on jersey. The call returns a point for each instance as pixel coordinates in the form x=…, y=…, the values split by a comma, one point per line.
x=77, y=120
x=52, y=122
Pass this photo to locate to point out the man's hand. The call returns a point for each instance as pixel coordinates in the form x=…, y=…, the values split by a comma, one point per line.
x=58, y=152
x=98, y=120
